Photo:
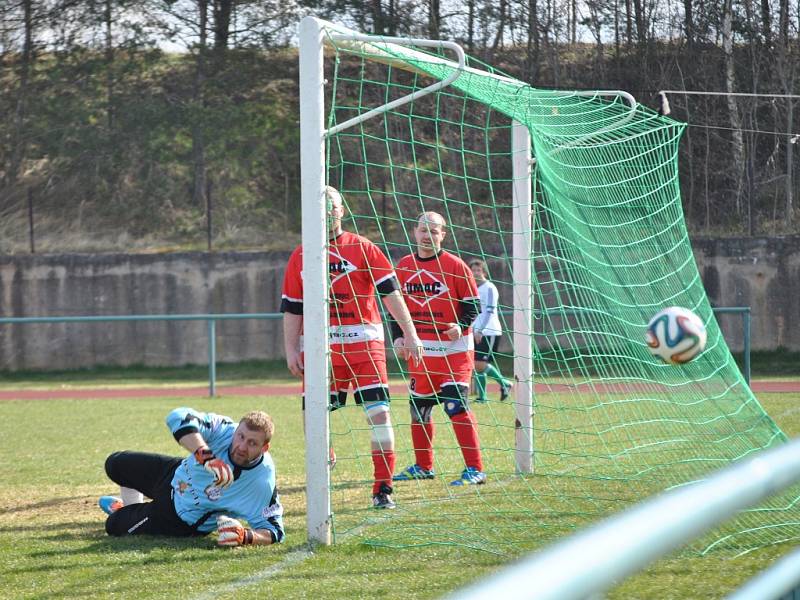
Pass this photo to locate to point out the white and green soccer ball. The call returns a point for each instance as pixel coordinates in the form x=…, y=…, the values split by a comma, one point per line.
x=675, y=335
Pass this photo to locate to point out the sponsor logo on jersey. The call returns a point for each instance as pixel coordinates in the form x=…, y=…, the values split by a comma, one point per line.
x=338, y=267
x=423, y=286
x=182, y=487
x=213, y=492
x=273, y=510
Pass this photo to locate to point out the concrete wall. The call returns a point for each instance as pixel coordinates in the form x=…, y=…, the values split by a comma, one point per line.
x=116, y=284
x=761, y=273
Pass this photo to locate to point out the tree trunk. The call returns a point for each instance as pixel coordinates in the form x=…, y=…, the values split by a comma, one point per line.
x=628, y=25
x=434, y=19
x=377, y=17
x=198, y=141
x=20, y=144
x=109, y=56
x=471, y=25
x=706, y=187
x=641, y=27
x=785, y=70
x=766, y=23
x=789, y=188
x=532, y=50
x=391, y=20
x=688, y=22
x=730, y=87
x=783, y=23
x=223, y=9
x=498, y=38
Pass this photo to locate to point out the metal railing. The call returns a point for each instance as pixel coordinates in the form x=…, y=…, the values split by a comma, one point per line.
x=212, y=319
x=746, y=323
x=601, y=556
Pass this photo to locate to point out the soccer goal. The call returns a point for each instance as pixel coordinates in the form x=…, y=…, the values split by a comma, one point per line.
x=572, y=201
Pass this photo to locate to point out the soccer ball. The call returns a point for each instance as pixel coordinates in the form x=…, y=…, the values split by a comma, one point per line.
x=676, y=335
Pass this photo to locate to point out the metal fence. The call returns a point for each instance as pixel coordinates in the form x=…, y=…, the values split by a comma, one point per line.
x=212, y=319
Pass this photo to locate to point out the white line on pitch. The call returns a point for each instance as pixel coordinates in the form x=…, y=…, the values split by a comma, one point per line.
x=291, y=559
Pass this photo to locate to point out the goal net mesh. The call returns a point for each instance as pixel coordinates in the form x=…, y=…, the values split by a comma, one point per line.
x=612, y=425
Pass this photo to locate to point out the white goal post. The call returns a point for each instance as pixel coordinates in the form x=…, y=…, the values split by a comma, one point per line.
x=313, y=33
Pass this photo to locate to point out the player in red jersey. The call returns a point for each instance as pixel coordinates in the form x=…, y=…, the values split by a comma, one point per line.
x=357, y=269
x=442, y=296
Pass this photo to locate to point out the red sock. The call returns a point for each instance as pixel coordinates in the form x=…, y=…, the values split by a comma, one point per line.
x=422, y=437
x=466, y=431
x=383, y=467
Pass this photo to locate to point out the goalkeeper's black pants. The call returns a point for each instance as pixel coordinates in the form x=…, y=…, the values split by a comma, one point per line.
x=151, y=474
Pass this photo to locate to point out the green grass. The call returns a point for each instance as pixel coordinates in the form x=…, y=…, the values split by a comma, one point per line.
x=52, y=542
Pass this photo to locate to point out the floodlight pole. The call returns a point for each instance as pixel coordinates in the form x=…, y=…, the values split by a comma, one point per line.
x=522, y=269
x=315, y=280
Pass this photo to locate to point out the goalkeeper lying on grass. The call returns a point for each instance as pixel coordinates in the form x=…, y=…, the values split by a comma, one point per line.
x=228, y=475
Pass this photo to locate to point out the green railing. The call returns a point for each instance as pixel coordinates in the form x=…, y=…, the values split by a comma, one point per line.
x=212, y=319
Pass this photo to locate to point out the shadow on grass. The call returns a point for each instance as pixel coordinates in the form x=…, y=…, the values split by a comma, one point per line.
x=43, y=504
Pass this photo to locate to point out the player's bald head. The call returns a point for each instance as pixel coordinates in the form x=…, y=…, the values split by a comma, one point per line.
x=431, y=218
x=335, y=206
x=332, y=196
x=429, y=233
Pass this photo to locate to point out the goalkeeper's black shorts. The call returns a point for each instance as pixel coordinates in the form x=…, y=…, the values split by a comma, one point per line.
x=151, y=474
x=484, y=350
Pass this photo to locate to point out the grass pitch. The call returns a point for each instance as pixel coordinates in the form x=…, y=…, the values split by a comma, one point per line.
x=52, y=542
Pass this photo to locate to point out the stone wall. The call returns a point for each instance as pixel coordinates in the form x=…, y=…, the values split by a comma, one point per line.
x=117, y=284
x=761, y=273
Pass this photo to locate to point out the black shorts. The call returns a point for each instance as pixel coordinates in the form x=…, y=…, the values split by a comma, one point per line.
x=484, y=350
x=151, y=474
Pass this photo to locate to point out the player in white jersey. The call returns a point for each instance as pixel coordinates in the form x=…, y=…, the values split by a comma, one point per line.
x=486, y=329
x=228, y=475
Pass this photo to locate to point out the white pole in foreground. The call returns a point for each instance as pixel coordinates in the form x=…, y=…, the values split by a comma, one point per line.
x=597, y=558
x=523, y=296
x=315, y=274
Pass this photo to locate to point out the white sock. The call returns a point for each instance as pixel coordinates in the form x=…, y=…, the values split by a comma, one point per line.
x=130, y=496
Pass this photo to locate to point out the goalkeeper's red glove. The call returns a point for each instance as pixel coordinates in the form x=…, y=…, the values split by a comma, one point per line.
x=223, y=476
x=232, y=532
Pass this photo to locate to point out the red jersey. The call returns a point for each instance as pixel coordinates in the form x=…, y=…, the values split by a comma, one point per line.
x=434, y=289
x=356, y=267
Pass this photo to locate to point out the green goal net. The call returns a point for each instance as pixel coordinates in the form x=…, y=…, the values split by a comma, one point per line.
x=609, y=249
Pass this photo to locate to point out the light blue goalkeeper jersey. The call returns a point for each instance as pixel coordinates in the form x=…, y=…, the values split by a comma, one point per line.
x=252, y=496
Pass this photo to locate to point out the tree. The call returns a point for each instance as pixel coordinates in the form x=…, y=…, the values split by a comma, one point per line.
x=733, y=113
x=19, y=140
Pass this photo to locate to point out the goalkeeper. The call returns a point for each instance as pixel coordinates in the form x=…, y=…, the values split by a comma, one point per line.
x=228, y=475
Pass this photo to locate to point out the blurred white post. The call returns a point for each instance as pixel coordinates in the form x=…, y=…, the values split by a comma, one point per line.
x=781, y=579
x=523, y=296
x=315, y=280
x=601, y=556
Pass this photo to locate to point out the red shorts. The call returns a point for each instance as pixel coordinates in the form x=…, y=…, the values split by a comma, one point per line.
x=369, y=381
x=361, y=376
x=428, y=378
